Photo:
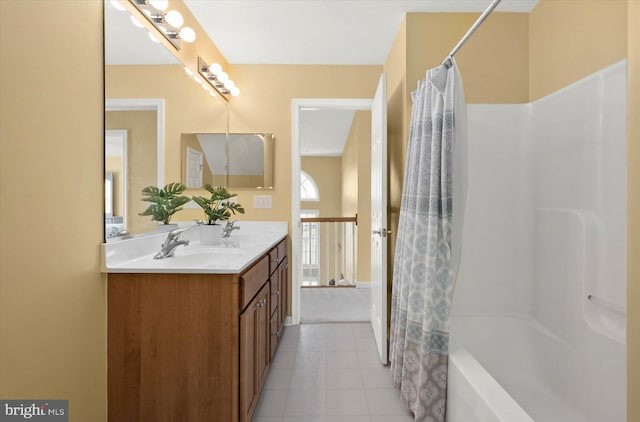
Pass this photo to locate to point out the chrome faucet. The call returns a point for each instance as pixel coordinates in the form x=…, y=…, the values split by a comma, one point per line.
x=171, y=243
x=228, y=228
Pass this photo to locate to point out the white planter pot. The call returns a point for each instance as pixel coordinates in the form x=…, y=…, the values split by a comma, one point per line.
x=166, y=227
x=210, y=234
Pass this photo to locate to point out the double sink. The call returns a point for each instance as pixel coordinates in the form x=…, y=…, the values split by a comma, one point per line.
x=232, y=255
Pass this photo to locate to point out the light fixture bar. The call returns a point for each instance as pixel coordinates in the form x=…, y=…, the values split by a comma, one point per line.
x=213, y=79
x=157, y=19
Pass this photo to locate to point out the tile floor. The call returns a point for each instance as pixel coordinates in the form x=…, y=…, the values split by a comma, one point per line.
x=334, y=304
x=329, y=373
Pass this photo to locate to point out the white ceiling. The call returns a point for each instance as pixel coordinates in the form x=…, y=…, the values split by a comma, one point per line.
x=318, y=31
x=292, y=32
x=324, y=132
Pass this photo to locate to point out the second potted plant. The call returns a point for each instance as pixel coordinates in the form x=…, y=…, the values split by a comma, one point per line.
x=217, y=208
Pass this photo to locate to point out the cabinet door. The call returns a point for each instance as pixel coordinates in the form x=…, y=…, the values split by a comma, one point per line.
x=274, y=334
x=263, y=350
x=253, y=343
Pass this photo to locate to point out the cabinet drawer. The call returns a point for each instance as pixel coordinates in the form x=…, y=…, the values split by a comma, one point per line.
x=277, y=254
x=282, y=250
x=252, y=280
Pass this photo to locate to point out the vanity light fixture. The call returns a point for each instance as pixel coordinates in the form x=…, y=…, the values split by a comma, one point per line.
x=218, y=79
x=169, y=23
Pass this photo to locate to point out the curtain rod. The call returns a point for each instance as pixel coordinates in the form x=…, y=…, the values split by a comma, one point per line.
x=447, y=61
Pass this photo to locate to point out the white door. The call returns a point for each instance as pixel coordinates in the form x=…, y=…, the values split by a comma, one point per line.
x=379, y=217
x=194, y=168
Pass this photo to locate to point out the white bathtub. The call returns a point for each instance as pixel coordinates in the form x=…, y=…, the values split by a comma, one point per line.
x=512, y=369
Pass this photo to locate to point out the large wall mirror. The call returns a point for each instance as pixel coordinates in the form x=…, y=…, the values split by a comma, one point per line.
x=236, y=160
x=150, y=102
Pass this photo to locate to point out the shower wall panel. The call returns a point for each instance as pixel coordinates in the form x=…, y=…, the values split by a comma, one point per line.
x=494, y=275
x=579, y=161
x=541, y=175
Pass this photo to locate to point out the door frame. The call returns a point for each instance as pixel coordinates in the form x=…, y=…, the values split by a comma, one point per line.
x=298, y=105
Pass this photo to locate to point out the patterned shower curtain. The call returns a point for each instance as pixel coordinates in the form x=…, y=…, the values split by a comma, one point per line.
x=428, y=244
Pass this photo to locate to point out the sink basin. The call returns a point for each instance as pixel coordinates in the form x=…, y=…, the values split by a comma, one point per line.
x=201, y=259
x=231, y=256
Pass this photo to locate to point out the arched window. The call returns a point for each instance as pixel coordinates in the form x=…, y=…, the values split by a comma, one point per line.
x=308, y=188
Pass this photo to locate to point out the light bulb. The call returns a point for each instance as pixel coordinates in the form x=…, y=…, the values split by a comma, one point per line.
x=213, y=94
x=188, y=71
x=136, y=22
x=159, y=4
x=174, y=18
x=198, y=79
x=153, y=37
x=215, y=68
x=223, y=77
x=187, y=34
x=229, y=84
x=235, y=91
x=117, y=5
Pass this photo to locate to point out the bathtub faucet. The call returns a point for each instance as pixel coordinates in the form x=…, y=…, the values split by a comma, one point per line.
x=171, y=243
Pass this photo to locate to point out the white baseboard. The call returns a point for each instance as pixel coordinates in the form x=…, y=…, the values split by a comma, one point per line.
x=363, y=284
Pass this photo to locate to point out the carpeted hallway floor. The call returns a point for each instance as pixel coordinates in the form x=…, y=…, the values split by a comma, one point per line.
x=340, y=304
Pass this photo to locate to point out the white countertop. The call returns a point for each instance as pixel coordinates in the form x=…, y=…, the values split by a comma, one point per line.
x=232, y=256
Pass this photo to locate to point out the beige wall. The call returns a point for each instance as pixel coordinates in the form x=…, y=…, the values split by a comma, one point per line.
x=268, y=109
x=633, y=211
x=327, y=173
x=188, y=107
x=356, y=187
x=141, y=170
x=493, y=63
x=52, y=295
x=350, y=172
x=572, y=39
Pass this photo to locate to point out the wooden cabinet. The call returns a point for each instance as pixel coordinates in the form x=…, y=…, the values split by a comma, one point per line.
x=254, y=352
x=194, y=347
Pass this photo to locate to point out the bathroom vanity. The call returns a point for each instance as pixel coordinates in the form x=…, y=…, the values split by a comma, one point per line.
x=191, y=339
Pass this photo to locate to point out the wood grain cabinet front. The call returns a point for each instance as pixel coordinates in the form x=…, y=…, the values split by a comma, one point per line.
x=254, y=352
x=193, y=347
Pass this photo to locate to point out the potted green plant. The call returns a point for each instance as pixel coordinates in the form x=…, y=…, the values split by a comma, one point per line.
x=216, y=208
x=165, y=202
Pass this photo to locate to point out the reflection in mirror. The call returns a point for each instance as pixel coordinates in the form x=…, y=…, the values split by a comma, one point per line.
x=236, y=160
x=149, y=95
x=115, y=152
x=141, y=120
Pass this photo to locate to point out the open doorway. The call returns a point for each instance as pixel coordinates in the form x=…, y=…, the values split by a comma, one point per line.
x=332, y=218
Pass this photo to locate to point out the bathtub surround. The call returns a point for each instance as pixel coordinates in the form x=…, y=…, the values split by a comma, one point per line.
x=530, y=261
x=429, y=243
